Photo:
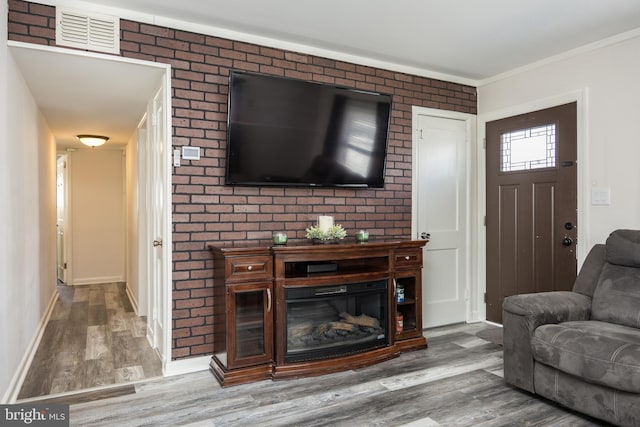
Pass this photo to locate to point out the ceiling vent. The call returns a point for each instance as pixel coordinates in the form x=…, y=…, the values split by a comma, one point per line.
x=87, y=31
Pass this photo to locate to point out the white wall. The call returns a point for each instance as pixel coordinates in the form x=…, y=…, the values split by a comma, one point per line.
x=609, y=139
x=97, y=215
x=27, y=217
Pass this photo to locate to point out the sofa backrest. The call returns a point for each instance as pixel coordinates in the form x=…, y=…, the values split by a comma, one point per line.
x=616, y=298
x=590, y=271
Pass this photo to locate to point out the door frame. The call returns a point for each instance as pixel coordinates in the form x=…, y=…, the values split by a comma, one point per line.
x=165, y=309
x=471, y=196
x=580, y=97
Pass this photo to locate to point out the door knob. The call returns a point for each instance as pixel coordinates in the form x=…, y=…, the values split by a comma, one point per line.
x=425, y=236
x=157, y=243
x=567, y=241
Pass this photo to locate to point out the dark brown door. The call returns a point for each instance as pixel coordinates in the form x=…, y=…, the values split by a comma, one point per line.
x=531, y=204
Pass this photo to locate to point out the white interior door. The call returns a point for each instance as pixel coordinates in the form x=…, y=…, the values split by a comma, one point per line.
x=158, y=244
x=440, y=214
x=61, y=200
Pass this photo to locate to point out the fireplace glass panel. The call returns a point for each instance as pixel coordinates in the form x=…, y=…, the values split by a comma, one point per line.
x=330, y=321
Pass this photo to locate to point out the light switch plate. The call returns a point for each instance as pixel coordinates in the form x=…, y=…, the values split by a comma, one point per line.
x=191, y=153
x=600, y=196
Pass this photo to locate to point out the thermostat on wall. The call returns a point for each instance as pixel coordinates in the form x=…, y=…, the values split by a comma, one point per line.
x=191, y=153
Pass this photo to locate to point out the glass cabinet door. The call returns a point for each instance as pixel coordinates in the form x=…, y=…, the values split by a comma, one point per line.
x=251, y=323
x=408, y=305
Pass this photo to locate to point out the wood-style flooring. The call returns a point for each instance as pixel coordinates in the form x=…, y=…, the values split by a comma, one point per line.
x=457, y=381
x=93, y=339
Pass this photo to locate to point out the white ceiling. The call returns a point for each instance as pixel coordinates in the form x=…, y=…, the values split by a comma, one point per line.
x=87, y=94
x=464, y=40
x=474, y=39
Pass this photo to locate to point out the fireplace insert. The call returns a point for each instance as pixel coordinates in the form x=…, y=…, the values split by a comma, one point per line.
x=330, y=321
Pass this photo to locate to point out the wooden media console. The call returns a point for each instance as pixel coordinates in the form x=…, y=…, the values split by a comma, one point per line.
x=311, y=309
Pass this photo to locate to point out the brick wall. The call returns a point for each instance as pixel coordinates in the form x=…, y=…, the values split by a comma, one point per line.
x=205, y=211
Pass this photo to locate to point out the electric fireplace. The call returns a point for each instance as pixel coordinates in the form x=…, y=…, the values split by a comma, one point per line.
x=331, y=321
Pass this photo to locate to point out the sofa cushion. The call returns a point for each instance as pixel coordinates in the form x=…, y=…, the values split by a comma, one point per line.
x=617, y=296
x=623, y=248
x=602, y=353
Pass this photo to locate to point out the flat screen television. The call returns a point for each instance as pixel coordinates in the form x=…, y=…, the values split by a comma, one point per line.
x=288, y=132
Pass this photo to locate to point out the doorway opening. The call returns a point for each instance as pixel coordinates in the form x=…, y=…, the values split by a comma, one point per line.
x=111, y=98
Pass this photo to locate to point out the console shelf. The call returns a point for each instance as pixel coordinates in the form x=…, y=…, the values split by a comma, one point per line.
x=250, y=335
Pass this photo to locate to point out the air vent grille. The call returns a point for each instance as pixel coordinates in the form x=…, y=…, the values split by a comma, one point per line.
x=87, y=31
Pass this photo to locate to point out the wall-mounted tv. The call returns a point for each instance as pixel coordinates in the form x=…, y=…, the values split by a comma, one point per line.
x=288, y=132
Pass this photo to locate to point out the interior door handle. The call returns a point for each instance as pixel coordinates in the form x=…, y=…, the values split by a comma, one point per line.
x=425, y=236
x=157, y=243
x=567, y=241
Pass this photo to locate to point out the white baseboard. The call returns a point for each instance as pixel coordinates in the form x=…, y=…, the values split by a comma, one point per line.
x=20, y=374
x=97, y=280
x=132, y=298
x=492, y=323
x=186, y=366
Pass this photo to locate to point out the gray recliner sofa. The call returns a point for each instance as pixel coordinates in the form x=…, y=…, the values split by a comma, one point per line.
x=582, y=348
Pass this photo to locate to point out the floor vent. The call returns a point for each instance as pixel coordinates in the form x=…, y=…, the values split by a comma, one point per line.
x=87, y=31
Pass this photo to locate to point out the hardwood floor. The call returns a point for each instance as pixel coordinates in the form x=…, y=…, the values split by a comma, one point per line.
x=92, y=339
x=457, y=381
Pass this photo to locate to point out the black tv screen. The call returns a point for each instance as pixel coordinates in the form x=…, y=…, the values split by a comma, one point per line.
x=285, y=132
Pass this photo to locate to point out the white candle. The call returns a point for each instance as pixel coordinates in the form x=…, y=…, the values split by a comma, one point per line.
x=324, y=223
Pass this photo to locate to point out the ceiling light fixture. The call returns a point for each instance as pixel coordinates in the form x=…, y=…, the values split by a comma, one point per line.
x=92, y=140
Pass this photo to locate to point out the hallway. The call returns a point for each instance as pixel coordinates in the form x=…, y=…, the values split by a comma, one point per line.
x=92, y=339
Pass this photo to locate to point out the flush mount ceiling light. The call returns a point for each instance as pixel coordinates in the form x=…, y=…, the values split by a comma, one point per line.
x=93, y=140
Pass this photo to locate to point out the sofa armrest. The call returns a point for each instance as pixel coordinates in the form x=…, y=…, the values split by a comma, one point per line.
x=521, y=315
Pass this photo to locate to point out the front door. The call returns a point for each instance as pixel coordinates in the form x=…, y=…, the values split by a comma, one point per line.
x=531, y=204
x=441, y=216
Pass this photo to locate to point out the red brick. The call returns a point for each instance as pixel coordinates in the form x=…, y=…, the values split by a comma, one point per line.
x=187, y=342
x=180, y=333
x=178, y=353
x=156, y=31
x=28, y=19
x=272, y=53
x=189, y=37
x=137, y=37
x=18, y=5
x=157, y=51
x=215, y=41
x=246, y=47
x=189, y=303
x=202, y=349
x=296, y=57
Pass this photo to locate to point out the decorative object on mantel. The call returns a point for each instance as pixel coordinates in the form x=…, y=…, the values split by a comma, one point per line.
x=326, y=231
x=279, y=238
x=362, y=236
